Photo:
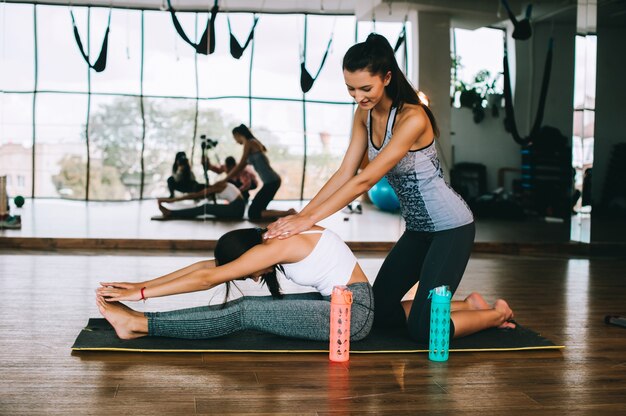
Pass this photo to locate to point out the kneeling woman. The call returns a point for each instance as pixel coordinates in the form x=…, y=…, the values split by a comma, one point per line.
x=317, y=258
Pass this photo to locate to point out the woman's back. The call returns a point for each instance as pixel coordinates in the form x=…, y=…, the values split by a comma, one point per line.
x=258, y=159
x=329, y=263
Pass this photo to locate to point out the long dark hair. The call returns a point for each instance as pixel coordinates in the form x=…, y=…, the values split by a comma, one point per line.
x=244, y=131
x=234, y=243
x=181, y=160
x=377, y=57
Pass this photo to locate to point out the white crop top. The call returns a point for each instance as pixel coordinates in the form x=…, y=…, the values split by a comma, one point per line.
x=330, y=263
x=230, y=193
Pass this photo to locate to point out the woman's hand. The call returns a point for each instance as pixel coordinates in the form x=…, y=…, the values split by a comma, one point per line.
x=114, y=291
x=287, y=226
x=168, y=200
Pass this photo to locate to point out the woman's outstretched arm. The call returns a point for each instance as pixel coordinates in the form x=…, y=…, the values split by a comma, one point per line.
x=258, y=258
x=204, y=264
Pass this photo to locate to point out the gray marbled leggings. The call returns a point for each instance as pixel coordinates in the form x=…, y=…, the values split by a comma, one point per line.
x=304, y=315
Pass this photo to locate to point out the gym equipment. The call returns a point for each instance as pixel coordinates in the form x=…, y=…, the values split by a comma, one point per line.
x=383, y=196
x=615, y=320
x=101, y=61
x=19, y=201
x=206, y=46
x=521, y=29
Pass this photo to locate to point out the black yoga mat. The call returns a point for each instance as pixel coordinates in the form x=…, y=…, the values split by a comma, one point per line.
x=98, y=335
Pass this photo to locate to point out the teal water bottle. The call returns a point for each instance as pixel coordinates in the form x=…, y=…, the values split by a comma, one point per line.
x=439, y=340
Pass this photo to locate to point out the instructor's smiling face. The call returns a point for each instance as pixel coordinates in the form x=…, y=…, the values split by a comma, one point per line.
x=366, y=89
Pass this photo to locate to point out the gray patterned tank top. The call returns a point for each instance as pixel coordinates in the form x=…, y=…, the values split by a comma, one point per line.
x=262, y=166
x=427, y=202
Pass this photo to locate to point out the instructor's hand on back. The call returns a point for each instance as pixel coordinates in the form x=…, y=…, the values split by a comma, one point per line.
x=287, y=226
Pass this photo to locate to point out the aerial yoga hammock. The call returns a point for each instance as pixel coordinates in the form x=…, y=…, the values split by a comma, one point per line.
x=306, y=80
x=206, y=46
x=236, y=50
x=522, y=29
x=509, y=121
x=101, y=62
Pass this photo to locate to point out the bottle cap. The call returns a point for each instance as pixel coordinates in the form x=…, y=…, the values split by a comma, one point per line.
x=342, y=295
x=441, y=291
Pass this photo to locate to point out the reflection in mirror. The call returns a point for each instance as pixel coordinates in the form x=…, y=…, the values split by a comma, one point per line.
x=584, y=118
x=513, y=165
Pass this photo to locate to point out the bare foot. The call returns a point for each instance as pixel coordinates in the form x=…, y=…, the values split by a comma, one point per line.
x=166, y=212
x=476, y=301
x=129, y=310
x=507, y=314
x=119, y=317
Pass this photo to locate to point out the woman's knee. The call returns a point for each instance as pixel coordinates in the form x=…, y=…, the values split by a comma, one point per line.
x=420, y=331
x=362, y=322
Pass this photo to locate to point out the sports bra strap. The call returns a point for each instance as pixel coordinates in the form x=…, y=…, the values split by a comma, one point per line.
x=312, y=232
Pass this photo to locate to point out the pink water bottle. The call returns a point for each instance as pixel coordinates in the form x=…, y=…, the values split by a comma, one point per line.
x=340, y=308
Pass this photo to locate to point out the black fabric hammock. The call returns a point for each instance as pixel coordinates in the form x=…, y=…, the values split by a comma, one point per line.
x=306, y=80
x=101, y=62
x=236, y=50
x=401, y=39
x=206, y=46
x=521, y=29
x=509, y=122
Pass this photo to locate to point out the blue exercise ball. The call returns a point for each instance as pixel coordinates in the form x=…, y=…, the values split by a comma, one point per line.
x=383, y=197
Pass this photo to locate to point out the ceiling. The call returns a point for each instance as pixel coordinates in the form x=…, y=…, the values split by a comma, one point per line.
x=468, y=14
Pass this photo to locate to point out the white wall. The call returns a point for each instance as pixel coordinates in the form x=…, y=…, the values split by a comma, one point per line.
x=433, y=61
x=487, y=143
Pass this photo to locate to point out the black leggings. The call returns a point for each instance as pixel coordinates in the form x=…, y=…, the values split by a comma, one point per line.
x=262, y=199
x=432, y=258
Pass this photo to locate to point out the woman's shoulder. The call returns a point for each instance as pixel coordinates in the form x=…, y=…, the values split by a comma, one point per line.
x=361, y=115
x=413, y=114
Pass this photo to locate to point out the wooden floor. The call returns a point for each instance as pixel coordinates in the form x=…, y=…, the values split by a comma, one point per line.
x=46, y=298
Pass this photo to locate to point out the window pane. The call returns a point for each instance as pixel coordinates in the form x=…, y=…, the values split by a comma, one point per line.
x=61, y=66
x=590, y=71
x=327, y=141
x=278, y=125
x=16, y=48
x=580, y=73
x=115, y=148
x=169, y=129
x=16, y=142
x=122, y=73
x=330, y=85
x=168, y=60
x=276, y=66
x=216, y=120
x=61, y=160
x=219, y=73
x=470, y=49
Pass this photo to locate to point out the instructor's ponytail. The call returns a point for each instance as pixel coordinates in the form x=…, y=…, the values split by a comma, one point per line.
x=377, y=57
